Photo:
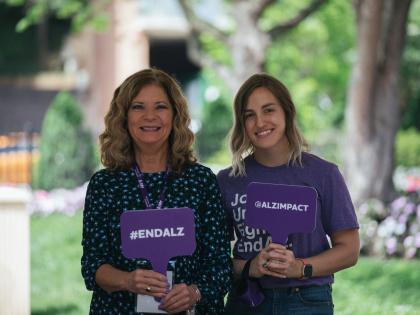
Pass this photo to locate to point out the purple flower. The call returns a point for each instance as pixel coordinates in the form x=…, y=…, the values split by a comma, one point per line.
x=417, y=240
x=409, y=208
x=391, y=245
x=411, y=252
x=403, y=219
x=397, y=205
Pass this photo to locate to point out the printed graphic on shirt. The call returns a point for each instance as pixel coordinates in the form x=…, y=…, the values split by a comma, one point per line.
x=249, y=240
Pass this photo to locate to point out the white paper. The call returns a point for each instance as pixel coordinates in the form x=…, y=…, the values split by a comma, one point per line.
x=148, y=304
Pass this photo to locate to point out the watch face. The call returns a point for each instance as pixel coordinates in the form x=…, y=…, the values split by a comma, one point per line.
x=307, y=271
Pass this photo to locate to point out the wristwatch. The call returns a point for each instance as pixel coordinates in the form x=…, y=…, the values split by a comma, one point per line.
x=306, y=269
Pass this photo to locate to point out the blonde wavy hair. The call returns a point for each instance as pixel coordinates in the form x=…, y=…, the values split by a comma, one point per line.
x=117, y=151
x=240, y=144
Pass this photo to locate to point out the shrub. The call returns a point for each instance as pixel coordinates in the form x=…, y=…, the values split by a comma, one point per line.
x=217, y=120
x=393, y=230
x=407, y=149
x=67, y=153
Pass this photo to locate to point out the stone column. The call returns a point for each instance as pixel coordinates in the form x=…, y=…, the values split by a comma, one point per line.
x=14, y=251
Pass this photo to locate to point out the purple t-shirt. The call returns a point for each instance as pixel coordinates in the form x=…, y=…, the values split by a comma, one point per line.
x=335, y=210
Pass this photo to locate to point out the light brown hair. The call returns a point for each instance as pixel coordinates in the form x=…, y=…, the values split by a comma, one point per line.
x=240, y=145
x=117, y=150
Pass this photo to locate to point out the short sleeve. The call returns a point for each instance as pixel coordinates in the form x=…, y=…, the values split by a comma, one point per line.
x=338, y=211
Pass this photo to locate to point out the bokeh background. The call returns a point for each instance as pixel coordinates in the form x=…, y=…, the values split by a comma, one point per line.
x=352, y=67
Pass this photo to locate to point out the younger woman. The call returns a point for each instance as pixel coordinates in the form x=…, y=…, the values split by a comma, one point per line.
x=268, y=147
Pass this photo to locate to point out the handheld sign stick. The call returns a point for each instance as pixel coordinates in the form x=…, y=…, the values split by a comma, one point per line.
x=281, y=209
x=158, y=235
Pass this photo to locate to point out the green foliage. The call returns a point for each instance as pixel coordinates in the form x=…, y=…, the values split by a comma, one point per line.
x=21, y=53
x=216, y=49
x=67, y=153
x=281, y=11
x=407, y=148
x=18, y=55
x=216, y=122
x=327, y=144
x=411, y=112
x=375, y=287
x=410, y=71
x=222, y=158
x=56, y=283
x=81, y=12
x=314, y=61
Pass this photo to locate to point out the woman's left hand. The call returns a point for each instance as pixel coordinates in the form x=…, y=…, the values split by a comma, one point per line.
x=181, y=298
x=285, y=264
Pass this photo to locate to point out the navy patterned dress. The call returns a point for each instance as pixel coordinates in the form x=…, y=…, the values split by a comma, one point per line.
x=112, y=192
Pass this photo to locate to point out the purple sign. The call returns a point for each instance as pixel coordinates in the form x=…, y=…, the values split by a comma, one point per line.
x=158, y=235
x=281, y=209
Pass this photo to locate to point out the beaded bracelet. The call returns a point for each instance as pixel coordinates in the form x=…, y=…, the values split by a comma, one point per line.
x=198, y=293
x=191, y=311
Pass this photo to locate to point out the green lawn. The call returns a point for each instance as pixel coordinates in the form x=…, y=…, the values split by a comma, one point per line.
x=372, y=287
x=56, y=283
x=377, y=286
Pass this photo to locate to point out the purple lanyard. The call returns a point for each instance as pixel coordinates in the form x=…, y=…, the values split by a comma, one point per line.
x=143, y=188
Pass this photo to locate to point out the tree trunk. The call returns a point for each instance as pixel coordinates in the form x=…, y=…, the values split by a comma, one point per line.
x=373, y=107
x=248, y=46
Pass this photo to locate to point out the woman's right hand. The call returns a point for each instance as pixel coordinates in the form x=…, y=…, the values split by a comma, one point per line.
x=147, y=282
x=258, y=267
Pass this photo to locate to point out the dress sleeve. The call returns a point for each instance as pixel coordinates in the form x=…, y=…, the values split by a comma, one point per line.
x=221, y=181
x=215, y=272
x=95, y=238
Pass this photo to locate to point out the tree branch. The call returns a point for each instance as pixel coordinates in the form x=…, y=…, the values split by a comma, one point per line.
x=283, y=28
x=199, y=57
x=199, y=25
x=259, y=7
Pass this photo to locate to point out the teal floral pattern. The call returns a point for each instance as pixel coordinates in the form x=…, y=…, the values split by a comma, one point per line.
x=110, y=193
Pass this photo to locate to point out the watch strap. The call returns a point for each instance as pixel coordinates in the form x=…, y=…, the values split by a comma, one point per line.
x=304, y=264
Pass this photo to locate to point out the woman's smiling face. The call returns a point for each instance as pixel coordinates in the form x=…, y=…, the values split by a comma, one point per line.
x=150, y=117
x=265, y=122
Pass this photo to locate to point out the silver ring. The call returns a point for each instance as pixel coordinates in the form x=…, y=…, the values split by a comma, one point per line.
x=149, y=289
x=265, y=264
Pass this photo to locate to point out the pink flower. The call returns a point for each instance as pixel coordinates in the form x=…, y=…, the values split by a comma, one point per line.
x=413, y=183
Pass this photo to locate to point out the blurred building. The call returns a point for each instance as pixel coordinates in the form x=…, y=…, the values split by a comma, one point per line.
x=139, y=34
x=91, y=64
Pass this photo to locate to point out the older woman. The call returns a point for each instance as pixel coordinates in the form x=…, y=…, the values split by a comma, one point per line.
x=147, y=140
